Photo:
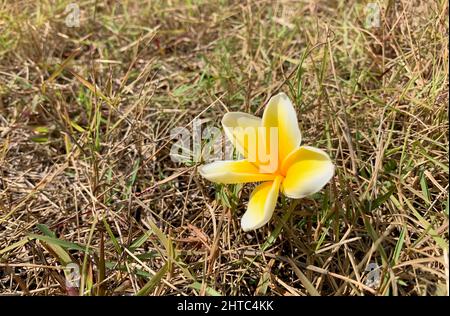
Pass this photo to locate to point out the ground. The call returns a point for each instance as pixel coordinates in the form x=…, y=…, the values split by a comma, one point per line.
x=88, y=186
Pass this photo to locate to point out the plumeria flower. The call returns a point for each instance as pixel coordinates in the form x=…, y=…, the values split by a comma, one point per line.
x=298, y=171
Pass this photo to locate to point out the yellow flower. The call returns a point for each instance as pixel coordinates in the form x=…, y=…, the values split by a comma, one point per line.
x=297, y=171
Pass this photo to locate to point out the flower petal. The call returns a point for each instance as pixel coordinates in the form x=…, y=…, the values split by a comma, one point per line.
x=307, y=170
x=237, y=126
x=233, y=171
x=280, y=113
x=261, y=205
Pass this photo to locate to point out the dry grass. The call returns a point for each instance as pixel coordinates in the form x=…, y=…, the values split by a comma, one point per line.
x=85, y=172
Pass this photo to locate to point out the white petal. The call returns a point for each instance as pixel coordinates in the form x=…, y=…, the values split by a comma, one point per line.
x=261, y=205
x=233, y=171
x=307, y=170
x=280, y=113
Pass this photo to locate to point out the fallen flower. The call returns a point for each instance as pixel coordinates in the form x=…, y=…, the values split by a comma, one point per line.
x=297, y=171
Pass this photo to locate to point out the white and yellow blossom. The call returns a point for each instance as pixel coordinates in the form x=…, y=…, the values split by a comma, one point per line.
x=276, y=159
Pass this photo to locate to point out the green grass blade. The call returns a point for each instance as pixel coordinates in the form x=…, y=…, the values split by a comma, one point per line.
x=154, y=281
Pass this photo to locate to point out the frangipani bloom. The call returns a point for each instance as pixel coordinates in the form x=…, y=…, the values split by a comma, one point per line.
x=297, y=171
